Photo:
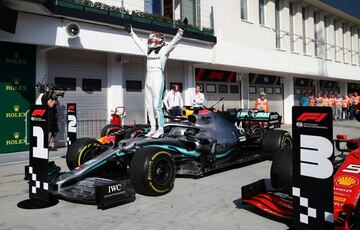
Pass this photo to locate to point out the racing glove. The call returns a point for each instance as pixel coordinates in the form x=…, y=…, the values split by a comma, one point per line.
x=128, y=28
x=185, y=24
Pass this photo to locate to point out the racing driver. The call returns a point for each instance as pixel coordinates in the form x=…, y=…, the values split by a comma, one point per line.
x=157, y=52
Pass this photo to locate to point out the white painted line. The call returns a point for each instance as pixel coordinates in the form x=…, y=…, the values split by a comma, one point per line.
x=18, y=162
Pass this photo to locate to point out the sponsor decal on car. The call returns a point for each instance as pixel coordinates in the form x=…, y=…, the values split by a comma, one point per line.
x=346, y=181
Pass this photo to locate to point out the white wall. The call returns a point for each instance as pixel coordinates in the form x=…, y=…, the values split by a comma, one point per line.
x=249, y=45
x=48, y=31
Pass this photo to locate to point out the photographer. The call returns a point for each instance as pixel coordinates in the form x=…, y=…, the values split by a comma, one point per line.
x=50, y=100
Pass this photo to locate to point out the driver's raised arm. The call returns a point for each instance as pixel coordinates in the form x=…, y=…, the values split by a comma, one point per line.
x=136, y=39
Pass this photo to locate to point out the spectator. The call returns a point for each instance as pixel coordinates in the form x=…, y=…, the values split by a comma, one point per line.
x=331, y=103
x=338, y=102
x=354, y=102
x=198, y=99
x=325, y=100
x=345, y=107
x=312, y=100
x=319, y=100
x=51, y=102
x=304, y=100
x=262, y=103
x=173, y=101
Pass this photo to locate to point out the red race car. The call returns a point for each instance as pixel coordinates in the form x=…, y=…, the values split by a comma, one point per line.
x=276, y=197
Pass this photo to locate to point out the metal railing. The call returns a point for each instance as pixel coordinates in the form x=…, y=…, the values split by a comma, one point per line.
x=89, y=123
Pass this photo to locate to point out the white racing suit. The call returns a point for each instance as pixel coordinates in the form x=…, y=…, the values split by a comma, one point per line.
x=154, y=83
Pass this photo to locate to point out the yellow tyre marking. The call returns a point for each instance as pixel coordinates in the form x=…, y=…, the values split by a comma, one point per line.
x=82, y=151
x=149, y=172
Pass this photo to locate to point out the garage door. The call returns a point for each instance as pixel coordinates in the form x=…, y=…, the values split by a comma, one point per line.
x=216, y=84
x=134, y=82
x=83, y=75
x=302, y=85
x=270, y=85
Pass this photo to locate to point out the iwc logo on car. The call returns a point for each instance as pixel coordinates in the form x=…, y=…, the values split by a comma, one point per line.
x=16, y=140
x=15, y=86
x=16, y=60
x=16, y=113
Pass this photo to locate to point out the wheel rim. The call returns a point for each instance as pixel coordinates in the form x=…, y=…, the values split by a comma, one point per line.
x=287, y=143
x=162, y=172
x=257, y=134
x=89, y=153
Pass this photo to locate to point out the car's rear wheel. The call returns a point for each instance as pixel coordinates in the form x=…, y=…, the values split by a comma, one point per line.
x=83, y=150
x=134, y=132
x=282, y=170
x=152, y=171
x=109, y=129
x=274, y=141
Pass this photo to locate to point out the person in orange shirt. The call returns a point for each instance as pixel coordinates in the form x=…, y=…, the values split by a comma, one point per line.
x=319, y=100
x=345, y=107
x=331, y=103
x=338, y=102
x=262, y=103
x=312, y=100
x=325, y=100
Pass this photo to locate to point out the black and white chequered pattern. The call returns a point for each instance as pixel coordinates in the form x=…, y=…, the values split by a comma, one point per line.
x=311, y=212
x=45, y=185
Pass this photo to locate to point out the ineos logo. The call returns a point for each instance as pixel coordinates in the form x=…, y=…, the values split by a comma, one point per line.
x=315, y=152
x=114, y=188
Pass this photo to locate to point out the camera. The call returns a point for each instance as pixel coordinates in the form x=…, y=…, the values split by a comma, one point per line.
x=46, y=88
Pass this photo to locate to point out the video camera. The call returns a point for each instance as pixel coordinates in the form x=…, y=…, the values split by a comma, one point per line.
x=45, y=88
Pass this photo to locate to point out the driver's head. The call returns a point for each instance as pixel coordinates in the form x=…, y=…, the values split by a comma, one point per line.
x=156, y=40
x=198, y=88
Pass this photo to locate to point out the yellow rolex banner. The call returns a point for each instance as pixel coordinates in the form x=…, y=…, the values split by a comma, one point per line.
x=17, y=93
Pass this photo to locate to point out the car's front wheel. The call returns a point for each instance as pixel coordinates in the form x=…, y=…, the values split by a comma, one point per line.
x=152, y=171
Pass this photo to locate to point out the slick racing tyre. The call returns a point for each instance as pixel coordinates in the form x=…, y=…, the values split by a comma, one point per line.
x=152, y=171
x=109, y=129
x=82, y=150
x=275, y=140
x=281, y=171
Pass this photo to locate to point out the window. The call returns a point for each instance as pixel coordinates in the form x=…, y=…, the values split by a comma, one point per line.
x=262, y=12
x=223, y=89
x=243, y=10
x=304, y=29
x=234, y=89
x=210, y=88
x=325, y=45
x=277, y=23
x=292, y=37
x=344, y=42
x=352, y=46
x=91, y=85
x=335, y=39
x=68, y=84
x=188, y=10
x=316, y=35
x=133, y=86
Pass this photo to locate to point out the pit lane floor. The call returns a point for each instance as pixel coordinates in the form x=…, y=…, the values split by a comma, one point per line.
x=211, y=202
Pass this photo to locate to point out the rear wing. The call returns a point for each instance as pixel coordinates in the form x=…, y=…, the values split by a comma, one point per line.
x=273, y=118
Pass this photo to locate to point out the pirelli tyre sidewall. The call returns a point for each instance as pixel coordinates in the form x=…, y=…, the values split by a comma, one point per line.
x=82, y=150
x=274, y=141
x=152, y=171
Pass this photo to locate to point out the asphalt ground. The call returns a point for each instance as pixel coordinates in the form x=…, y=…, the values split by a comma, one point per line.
x=211, y=202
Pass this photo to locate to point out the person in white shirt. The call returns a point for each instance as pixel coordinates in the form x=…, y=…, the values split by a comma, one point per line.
x=198, y=99
x=173, y=101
